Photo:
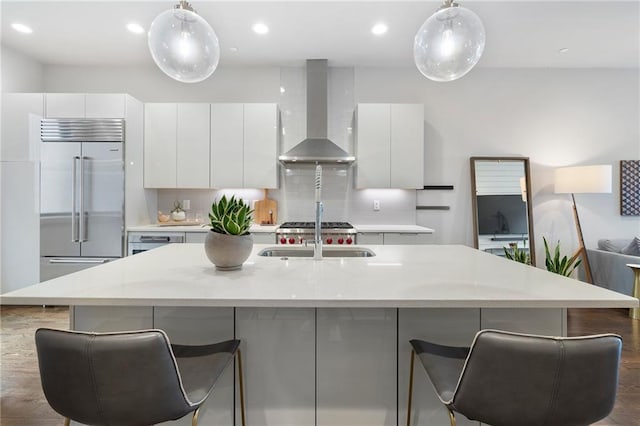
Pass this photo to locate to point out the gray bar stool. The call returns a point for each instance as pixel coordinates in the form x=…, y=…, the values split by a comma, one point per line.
x=129, y=378
x=507, y=379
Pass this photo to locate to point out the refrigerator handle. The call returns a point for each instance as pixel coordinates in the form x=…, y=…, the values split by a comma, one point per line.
x=83, y=229
x=74, y=191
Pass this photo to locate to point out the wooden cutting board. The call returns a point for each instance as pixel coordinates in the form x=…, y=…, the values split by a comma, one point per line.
x=265, y=211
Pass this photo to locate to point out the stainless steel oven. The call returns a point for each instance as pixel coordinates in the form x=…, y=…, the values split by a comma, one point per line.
x=138, y=242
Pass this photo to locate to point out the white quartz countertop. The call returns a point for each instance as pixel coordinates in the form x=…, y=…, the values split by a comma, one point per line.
x=193, y=228
x=410, y=229
x=446, y=276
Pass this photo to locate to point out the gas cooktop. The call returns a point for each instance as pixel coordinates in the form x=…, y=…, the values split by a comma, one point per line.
x=311, y=225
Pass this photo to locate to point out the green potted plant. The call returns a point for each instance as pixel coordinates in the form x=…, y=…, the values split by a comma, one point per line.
x=229, y=242
x=564, y=266
x=515, y=254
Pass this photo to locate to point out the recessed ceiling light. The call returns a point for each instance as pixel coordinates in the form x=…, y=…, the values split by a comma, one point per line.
x=260, y=28
x=379, y=28
x=21, y=28
x=563, y=50
x=233, y=49
x=282, y=90
x=135, y=28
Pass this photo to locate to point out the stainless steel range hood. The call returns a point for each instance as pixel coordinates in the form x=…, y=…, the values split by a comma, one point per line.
x=317, y=148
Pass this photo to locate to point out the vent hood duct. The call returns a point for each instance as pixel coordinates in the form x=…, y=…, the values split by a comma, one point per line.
x=317, y=148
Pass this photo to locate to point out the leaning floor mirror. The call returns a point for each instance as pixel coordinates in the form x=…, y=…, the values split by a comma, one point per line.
x=501, y=198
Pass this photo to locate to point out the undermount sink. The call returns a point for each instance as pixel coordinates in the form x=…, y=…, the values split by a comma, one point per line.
x=308, y=252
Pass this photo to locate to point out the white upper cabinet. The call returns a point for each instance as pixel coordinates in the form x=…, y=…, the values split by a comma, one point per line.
x=21, y=114
x=160, y=145
x=227, y=146
x=105, y=105
x=260, y=146
x=373, y=149
x=407, y=146
x=192, y=150
x=390, y=146
x=64, y=105
x=244, y=145
x=90, y=105
x=190, y=145
x=176, y=145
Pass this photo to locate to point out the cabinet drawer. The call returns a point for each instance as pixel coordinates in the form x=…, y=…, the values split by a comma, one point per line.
x=370, y=238
x=405, y=238
x=195, y=237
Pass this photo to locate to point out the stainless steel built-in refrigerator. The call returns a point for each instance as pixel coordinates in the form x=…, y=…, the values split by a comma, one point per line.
x=81, y=194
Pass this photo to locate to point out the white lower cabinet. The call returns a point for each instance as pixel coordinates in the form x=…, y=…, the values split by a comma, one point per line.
x=356, y=367
x=195, y=237
x=451, y=327
x=264, y=237
x=110, y=318
x=201, y=326
x=371, y=238
x=322, y=366
x=258, y=237
x=279, y=355
x=393, y=238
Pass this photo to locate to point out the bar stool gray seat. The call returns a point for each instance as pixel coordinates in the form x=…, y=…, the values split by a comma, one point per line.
x=508, y=379
x=129, y=378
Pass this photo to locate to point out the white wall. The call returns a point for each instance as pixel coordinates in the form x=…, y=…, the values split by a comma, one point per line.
x=149, y=84
x=557, y=117
x=20, y=73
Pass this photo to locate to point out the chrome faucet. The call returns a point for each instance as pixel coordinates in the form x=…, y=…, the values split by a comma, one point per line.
x=317, y=238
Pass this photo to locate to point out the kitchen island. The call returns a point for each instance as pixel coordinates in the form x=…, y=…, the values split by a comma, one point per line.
x=325, y=342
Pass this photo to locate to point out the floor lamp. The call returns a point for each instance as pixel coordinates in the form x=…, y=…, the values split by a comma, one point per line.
x=583, y=180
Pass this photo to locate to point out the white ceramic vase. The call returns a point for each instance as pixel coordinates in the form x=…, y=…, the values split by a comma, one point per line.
x=228, y=252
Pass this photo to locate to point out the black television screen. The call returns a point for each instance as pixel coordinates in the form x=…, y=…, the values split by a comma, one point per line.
x=502, y=214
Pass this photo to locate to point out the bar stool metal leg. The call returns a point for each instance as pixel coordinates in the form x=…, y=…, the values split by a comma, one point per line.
x=240, y=378
x=413, y=355
x=635, y=292
x=452, y=417
x=194, y=419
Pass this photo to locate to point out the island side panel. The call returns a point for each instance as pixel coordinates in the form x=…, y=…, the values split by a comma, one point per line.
x=201, y=326
x=452, y=327
x=110, y=318
x=278, y=348
x=356, y=367
x=550, y=321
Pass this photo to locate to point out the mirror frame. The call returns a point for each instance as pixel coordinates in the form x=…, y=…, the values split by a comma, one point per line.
x=527, y=176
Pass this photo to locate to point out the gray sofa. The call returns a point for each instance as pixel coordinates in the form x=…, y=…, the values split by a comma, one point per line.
x=608, y=265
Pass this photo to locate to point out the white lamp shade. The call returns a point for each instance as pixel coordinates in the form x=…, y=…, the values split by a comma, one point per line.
x=584, y=179
x=183, y=45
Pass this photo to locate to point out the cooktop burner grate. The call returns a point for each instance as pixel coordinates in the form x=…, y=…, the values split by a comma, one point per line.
x=311, y=225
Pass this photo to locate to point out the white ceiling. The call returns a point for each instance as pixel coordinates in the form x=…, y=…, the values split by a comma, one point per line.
x=519, y=33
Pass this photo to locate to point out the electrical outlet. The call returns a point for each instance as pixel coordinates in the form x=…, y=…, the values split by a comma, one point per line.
x=186, y=204
x=376, y=205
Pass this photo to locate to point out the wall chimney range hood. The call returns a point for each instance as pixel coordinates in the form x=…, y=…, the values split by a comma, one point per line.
x=317, y=148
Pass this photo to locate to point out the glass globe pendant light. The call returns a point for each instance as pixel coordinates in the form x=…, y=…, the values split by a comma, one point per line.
x=449, y=43
x=183, y=44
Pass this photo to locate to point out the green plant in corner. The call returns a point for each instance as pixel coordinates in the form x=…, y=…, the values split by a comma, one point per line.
x=230, y=216
x=514, y=253
x=564, y=266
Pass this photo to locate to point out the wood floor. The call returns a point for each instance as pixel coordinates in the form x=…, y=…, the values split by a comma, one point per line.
x=23, y=404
